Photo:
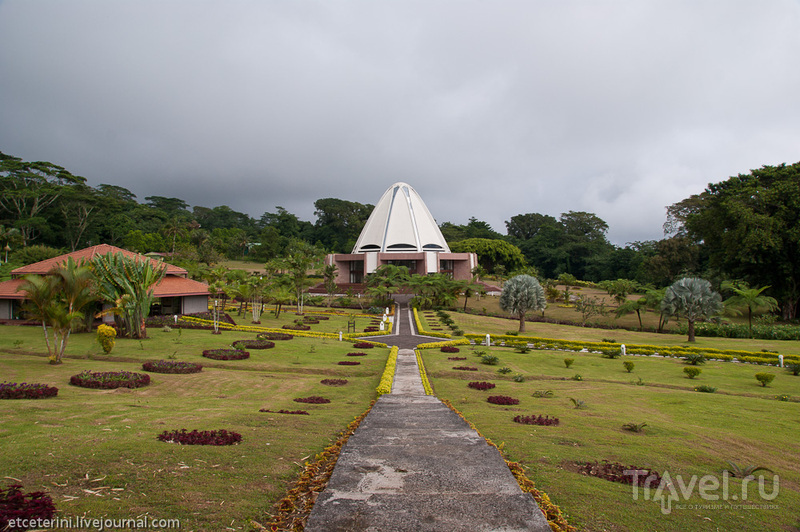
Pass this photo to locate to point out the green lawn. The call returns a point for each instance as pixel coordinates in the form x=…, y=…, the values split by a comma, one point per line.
x=96, y=453
x=688, y=433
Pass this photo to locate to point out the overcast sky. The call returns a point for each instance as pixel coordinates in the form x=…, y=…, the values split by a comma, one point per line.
x=488, y=109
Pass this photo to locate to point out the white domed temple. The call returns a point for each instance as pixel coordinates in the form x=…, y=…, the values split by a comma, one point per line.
x=401, y=231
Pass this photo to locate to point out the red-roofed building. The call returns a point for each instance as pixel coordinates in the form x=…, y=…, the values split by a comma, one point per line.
x=176, y=293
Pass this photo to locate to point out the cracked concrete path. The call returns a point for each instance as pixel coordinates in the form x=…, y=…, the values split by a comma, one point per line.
x=414, y=465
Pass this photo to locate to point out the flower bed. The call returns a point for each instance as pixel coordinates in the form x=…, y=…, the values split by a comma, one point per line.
x=449, y=349
x=295, y=412
x=502, y=400
x=615, y=472
x=274, y=336
x=370, y=329
x=226, y=354
x=24, y=390
x=465, y=368
x=313, y=399
x=356, y=354
x=253, y=344
x=171, y=366
x=481, y=385
x=110, y=380
x=363, y=345
x=297, y=327
x=196, y=437
x=456, y=358
x=15, y=504
x=536, y=420
x=349, y=363
x=333, y=382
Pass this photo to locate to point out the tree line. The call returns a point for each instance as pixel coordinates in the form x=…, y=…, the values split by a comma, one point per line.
x=745, y=228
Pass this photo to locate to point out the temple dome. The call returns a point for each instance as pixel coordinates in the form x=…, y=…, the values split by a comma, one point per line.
x=401, y=223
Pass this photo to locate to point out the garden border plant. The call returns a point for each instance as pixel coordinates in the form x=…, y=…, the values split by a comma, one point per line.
x=226, y=354
x=197, y=437
x=109, y=380
x=24, y=390
x=171, y=366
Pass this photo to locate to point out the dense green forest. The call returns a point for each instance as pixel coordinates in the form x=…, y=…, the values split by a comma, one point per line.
x=744, y=228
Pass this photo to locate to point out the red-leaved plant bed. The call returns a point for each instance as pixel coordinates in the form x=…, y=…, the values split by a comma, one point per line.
x=370, y=329
x=481, y=385
x=357, y=354
x=363, y=345
x=502, y=400
x=196, y=437
x=24, y=390
x=297, y=327
x=282, y=411
x=544, y=421
x=321, y=317
x=226, y=354
x=171, y=366
x=109, y=380
x=333, y=382
x=465, y=368
x=615, y=472
x=456, y=358
x=450, y=349
x=17, y=505
x=349, y=363
x=274, y=336
x=314, y=400
x=253, y=344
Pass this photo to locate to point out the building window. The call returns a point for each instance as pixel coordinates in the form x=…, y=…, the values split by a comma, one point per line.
x=356, y=271
x=446, y=267
x=410, y=264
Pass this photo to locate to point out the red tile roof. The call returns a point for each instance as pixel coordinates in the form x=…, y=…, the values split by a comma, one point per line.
x=171, y=286
x=87, y=254
x=8, y=289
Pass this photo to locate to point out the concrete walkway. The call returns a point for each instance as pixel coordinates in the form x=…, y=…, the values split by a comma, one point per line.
x=414, y=465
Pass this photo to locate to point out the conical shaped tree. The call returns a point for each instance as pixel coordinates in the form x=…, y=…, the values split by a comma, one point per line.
x=693, y=299
x=521, y=294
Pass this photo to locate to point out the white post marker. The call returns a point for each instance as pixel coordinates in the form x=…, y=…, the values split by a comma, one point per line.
x=386, y=311
x=340, y=336
x=381, y=326
x=488, y=341
x=176, y=318
x=622, y=348
x=780, y=357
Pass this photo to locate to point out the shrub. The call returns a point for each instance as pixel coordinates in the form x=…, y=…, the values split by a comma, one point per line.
x=333, y=382
x=253, y=344
x=465, y=368
x=456, y=358
x=504, y=370
x=518, y=378
x=577, y=377
x=274, y=336
x=12, y=390
x=543, y=394
x=458, y=332
x=610, y=352
x=349, y=363
x=110, y=380
x=692, y=372
x=171, y=366
x=783, y=397
x=568, y=362
x=694, y=359
x=196, y=437
x=105, y=337
x=536, y=420
x=704, y=388
x=363, y=345
x=357, y=354
x=522, y=348
x=794, y=369
x=295, y=412
x=226, y=354
x=449, y=349
x=502, y=400
x=15, y=504
x=634, y=427
x=489, y=360
x=481, y=385
x=577, y=403
x=628, y=365
x=313, y=399
x=765, y=378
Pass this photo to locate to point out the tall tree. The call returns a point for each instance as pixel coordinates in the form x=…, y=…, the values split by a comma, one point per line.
x=339, y=222
x=492, y=253
x=520, y=295
x=693, y=299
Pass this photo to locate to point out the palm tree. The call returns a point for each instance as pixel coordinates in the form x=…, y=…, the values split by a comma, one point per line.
x=748, y=298
x=692, y=298
x=653, y=299
x=521, y=294
x=40, y=293
x=633, y=306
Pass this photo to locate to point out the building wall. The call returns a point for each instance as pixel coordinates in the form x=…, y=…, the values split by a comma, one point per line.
x=194, y=304
x=6, y=309
x=463, y=263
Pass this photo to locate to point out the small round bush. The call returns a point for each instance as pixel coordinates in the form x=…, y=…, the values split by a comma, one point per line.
x=109, y=380
x=253, y=344
x=226, y=354
x=105, y=337
x=24, y=390
x=450, y=349
x=274, y=336
x=171, y=366
x=196, y=437
x=349, y=363
x=692, y=372
x=481, y=385
x=568, y=361
x=313, y=399
x=628, y=365
x=333, y=382
x=502, y=400
x=765, y=378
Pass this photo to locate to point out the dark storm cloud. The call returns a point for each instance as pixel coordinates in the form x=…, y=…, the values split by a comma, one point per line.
x=488, y=109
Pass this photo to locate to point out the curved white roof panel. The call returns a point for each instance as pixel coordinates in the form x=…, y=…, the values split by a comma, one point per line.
x=400, y=223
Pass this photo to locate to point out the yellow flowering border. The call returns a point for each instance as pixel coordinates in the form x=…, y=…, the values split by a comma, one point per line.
x=426, y=384
x=423, y=332
x=385, y=385
x=438, y=345
x=553, y=514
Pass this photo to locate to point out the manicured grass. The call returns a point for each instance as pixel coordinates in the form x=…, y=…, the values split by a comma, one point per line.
x=104, y=441
x=688, y=433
